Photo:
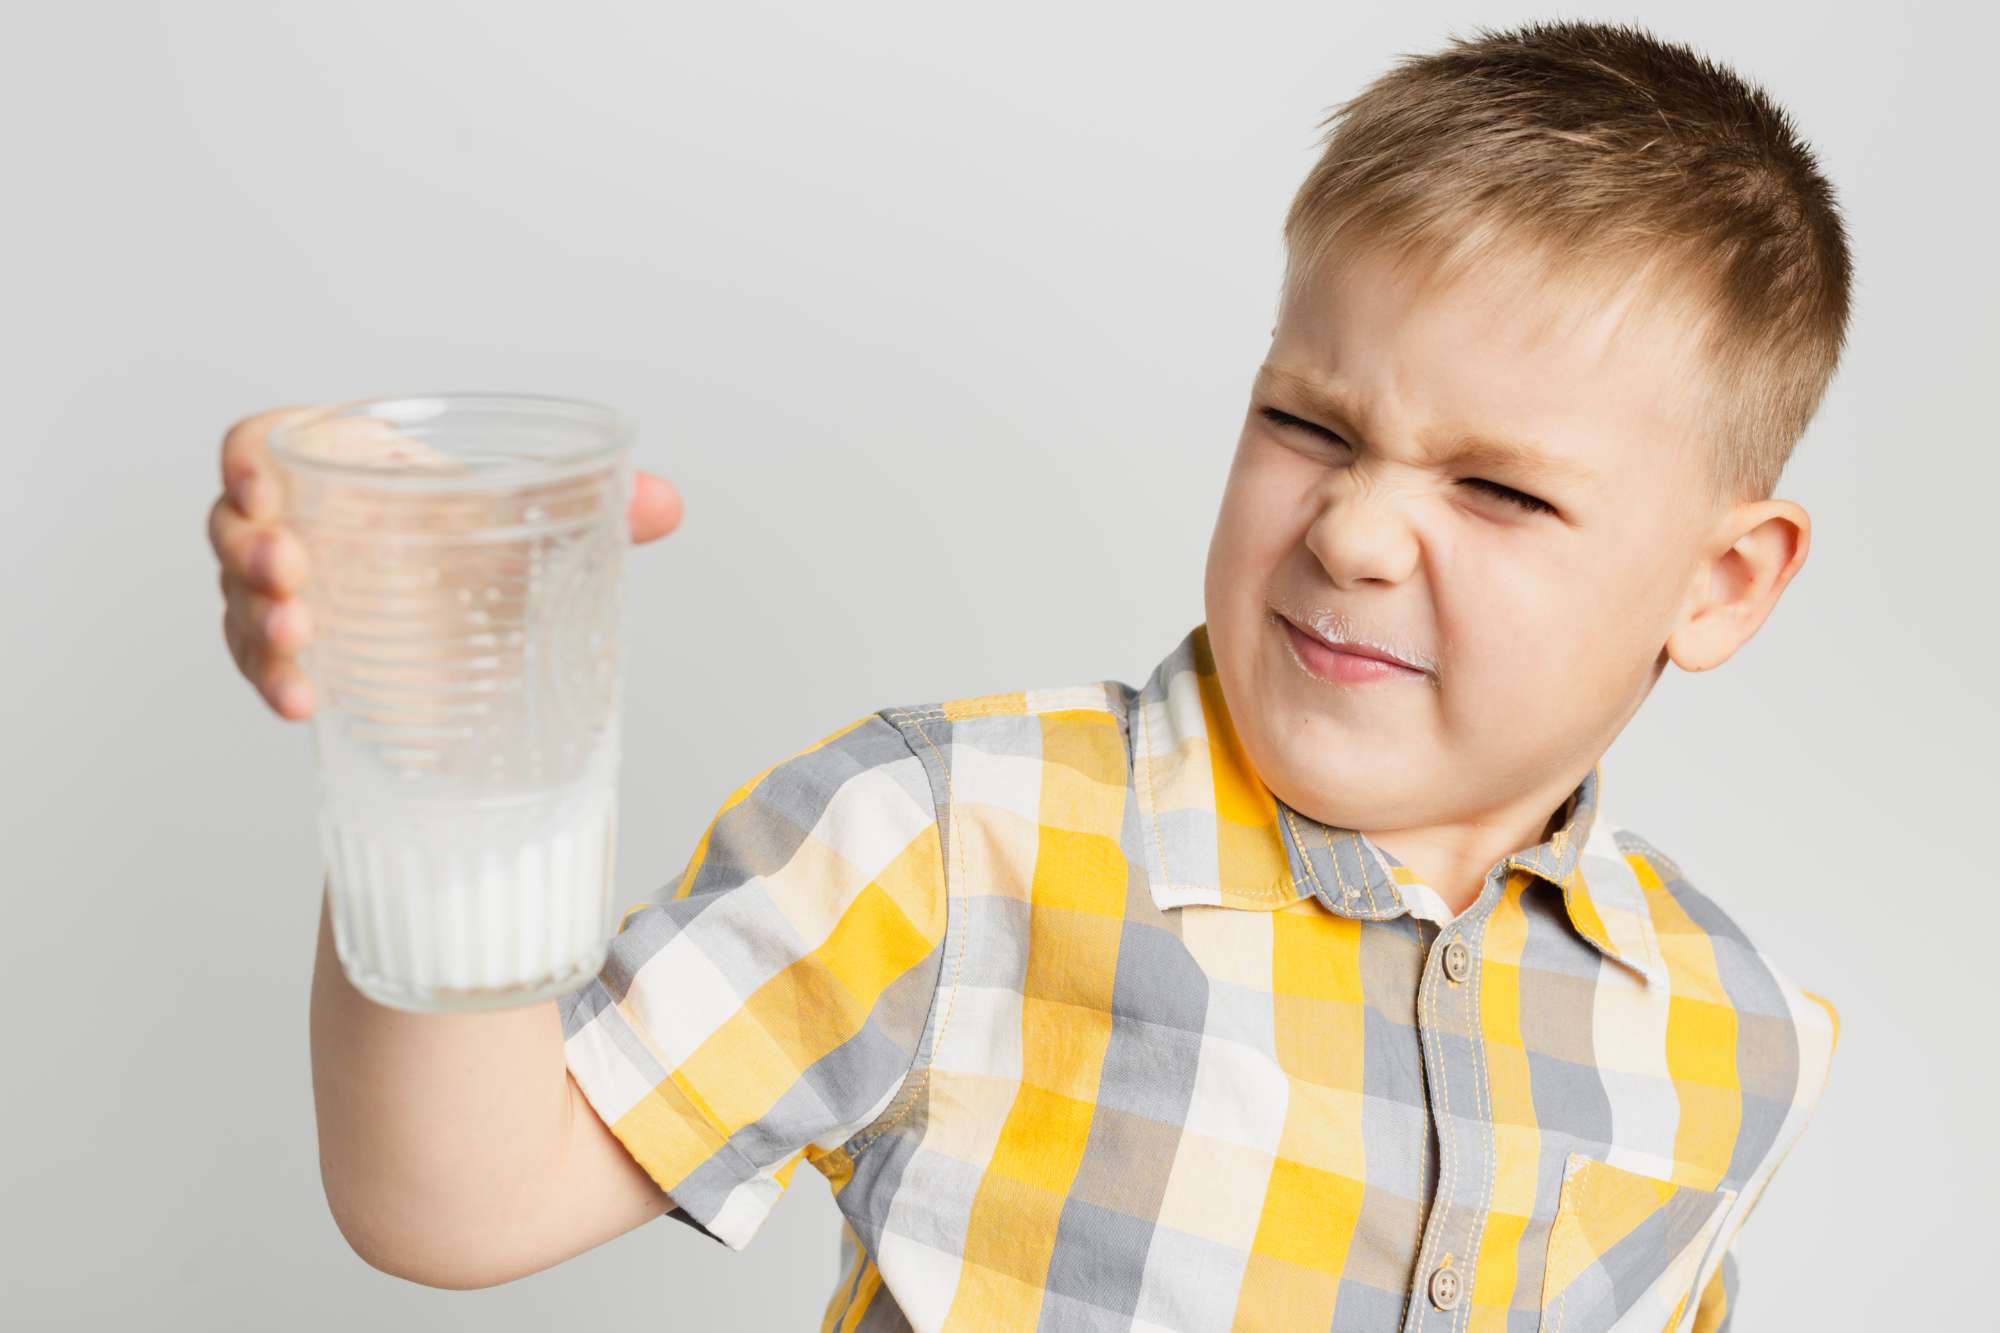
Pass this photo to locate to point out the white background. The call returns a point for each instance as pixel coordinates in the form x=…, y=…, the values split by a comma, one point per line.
x=942, y=319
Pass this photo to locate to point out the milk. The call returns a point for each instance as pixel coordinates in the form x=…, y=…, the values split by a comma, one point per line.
x=457, y=903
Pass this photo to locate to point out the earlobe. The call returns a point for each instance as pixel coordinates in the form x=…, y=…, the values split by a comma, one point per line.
x=1684, y=659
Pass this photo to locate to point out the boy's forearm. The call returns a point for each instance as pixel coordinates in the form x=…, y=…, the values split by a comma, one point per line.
x=435, y=1130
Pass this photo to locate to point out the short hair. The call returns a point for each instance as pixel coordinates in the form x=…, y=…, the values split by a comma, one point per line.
x=1603, y=156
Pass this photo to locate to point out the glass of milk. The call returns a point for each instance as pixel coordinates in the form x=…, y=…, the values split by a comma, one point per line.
x=466, y=576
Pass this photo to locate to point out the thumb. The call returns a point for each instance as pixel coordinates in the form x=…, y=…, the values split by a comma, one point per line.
x=656, y=507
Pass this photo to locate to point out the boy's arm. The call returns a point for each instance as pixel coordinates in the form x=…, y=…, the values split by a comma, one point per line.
x=455, y=1149
x=765, y=1013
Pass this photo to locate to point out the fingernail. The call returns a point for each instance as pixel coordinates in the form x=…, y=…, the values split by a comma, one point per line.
x=264, y=560
x=292, y=696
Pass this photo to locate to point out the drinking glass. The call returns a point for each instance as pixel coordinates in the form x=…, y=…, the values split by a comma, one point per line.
x=465, y=582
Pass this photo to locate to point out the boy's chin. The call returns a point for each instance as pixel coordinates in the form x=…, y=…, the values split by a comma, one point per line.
x=1345, y=797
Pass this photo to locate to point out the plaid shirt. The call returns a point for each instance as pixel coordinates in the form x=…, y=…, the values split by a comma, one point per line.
x=1087, y=1030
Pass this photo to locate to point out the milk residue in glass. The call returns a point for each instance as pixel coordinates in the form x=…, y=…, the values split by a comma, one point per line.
x=474, y=897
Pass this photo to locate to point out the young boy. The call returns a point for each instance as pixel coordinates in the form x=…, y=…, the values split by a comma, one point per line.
x=1307, y=985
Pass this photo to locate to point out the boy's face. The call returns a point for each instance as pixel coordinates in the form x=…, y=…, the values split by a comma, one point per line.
x=1540, y=632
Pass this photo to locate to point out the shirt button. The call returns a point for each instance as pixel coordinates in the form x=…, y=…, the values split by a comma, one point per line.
x=1457, y=964
x=1444, y=1288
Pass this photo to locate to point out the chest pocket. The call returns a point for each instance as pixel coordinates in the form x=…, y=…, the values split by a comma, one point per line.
x=1625, y=1249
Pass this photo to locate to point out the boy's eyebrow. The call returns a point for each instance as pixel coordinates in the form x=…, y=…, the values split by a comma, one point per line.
x=1465, y=449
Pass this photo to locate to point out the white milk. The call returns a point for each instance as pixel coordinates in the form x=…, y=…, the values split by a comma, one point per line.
x=444, y=904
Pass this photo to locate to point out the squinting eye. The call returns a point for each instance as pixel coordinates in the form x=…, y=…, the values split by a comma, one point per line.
x=1512, y=496
x=1278, y=418
x=1519, y=499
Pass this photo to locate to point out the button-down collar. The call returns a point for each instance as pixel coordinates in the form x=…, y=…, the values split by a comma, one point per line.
x=1216, y=835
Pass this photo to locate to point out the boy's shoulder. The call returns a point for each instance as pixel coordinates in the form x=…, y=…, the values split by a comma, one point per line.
x=1681, y=909
x=1723, y=989
x=1111, y=697
x=903, y=741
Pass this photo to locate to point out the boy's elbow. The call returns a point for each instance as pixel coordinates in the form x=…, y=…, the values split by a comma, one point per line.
x=396, y=1261
x=461, y=1268
x=366, y=1249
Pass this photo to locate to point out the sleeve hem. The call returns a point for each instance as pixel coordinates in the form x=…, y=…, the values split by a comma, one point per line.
x=664, y=1130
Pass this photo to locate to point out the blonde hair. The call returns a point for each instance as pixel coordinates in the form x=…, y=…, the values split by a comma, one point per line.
x=1603, y=156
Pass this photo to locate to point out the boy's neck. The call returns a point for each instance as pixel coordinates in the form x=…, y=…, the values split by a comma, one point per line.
x=1453, y=858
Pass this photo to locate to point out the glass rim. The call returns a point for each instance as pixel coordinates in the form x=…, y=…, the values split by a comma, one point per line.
x=618, y=429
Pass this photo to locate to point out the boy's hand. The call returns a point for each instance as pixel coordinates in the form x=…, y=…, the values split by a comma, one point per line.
x=264, y=563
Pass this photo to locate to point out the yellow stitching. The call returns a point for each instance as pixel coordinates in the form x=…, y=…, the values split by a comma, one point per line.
x=1477, y=1043
x=1445, y=1124
x=1374, y=853
x=1395, y=889
x=1347, y=893
x=1447, y=1161
x=1361, y=857
x=1562, y=1302
x=1423, y=1140
x=1311, y=875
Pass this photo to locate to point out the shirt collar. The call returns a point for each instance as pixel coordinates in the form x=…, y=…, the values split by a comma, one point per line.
x=1214, y=834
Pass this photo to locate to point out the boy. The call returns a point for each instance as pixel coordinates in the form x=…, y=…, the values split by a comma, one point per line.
x=1096, y=1005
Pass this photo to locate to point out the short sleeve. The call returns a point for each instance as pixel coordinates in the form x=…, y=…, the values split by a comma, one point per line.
x=773, y=1005
x=1817, y=1027
x=1718, y=1299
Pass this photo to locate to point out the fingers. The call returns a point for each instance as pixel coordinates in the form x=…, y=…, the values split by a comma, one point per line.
x=263, y=555
x=264, y=636
x=656, y=507
x=288, y=692
x=243, y=453
x=279, y=626
x=261, y=565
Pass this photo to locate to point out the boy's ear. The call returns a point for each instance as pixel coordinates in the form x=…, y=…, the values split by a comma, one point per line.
x=1759, y=547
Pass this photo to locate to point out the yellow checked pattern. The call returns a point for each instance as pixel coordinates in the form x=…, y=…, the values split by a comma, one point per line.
x=1087, y=1030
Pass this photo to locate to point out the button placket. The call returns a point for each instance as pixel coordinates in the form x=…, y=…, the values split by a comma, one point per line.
x=1454, y=1074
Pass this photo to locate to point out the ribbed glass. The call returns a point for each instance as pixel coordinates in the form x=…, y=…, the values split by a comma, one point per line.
x=466, y=558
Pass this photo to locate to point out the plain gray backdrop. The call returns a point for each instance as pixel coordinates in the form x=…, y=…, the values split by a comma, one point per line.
x=943, y=320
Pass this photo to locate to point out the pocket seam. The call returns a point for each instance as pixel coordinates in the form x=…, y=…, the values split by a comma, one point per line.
x=1566, y=1229
x=1576, y=1166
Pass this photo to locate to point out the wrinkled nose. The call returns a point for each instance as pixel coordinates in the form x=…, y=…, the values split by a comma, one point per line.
x=1362, y=533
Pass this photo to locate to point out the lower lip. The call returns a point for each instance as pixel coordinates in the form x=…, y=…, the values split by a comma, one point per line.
x=1341, y=668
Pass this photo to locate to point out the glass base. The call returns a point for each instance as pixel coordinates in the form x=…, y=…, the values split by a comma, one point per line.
x=472, y=999
x=451, y=908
